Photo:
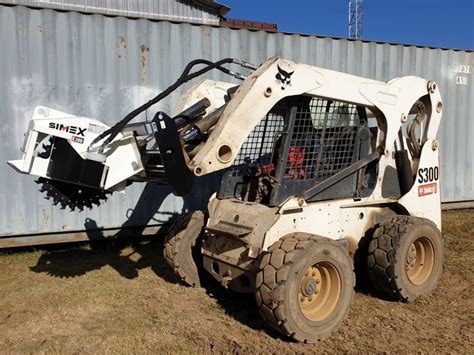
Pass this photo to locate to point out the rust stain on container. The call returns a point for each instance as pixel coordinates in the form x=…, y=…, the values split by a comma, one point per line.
x=143, y=57
x=122, y=48
x=44, y=216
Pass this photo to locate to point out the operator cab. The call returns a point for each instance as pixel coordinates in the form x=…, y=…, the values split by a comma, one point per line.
x=300, y=143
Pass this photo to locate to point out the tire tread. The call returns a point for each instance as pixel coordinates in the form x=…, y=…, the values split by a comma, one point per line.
x=271, y=297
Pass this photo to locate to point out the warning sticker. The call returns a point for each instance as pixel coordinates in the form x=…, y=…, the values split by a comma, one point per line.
x=96, y=129
x=428, y=189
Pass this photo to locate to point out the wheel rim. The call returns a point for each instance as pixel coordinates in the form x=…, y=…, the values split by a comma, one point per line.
x=420, y=260
x=319, y=291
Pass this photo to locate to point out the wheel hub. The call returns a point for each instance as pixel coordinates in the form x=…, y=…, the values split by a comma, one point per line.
x=319, y=291
x=308, y=286
x=419, y=260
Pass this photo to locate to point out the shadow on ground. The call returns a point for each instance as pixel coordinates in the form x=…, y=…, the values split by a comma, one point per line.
x=125, y=257
x=128, y=256
x=69, y=261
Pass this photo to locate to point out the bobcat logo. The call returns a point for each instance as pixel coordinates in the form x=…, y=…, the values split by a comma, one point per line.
x=283, y=77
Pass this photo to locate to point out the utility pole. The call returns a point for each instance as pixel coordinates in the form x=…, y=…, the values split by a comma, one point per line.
x=356, y=16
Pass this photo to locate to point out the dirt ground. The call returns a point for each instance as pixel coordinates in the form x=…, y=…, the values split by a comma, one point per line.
x=122, y=297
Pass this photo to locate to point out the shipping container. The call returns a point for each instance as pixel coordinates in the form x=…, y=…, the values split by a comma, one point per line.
x=103, y=67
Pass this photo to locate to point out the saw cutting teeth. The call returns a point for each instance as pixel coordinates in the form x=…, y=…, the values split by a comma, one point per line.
x=69, y=195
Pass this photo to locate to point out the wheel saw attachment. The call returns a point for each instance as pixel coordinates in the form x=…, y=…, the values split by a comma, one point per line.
x=79, y=161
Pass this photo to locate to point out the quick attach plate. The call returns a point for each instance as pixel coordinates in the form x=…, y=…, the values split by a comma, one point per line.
x=179, y=177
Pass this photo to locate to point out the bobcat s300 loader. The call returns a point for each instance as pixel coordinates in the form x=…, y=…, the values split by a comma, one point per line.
x=314, y=163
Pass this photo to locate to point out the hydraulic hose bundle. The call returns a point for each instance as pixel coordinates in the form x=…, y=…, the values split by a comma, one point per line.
x=185, y=76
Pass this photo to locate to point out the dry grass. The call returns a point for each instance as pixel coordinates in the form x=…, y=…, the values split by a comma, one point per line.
x=122, y=298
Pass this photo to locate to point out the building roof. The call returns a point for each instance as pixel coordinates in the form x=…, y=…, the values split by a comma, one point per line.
x=195, y=11
x=221, y=9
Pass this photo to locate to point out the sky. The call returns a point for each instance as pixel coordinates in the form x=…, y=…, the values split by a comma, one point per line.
x=434, y=23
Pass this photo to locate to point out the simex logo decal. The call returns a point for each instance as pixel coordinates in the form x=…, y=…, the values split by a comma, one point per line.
x=70, y=129
x=283, y=77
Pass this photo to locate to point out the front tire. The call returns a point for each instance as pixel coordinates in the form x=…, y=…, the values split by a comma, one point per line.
x=305, y=286
x=405, y=258
x=182, y=247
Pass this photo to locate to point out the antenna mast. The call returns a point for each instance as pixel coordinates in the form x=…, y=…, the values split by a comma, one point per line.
x=356, y=16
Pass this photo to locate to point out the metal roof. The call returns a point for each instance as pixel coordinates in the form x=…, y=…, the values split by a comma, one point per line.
x=220, y=8
x=193, y=11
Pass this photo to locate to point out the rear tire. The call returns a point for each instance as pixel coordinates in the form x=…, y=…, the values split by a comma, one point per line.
x=182, y=247
x=305, y=286
x=405, y=259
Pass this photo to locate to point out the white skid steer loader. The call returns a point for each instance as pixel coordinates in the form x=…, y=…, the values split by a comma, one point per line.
x=314, y=161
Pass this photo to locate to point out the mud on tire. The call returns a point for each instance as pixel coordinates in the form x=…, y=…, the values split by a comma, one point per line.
x=305, y=286
x=405, y=258
x=182, y=247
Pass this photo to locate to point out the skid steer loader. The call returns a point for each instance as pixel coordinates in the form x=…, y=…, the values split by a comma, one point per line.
x=314, y=162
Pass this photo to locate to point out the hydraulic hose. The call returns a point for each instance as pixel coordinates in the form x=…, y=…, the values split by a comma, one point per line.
x=183, y=78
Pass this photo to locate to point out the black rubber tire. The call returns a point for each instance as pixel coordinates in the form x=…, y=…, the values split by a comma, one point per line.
x=278, y=279
x=387, y=257
x=182, y=247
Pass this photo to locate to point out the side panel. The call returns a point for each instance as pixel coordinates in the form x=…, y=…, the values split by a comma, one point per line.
x=339, y=219
x=424, y=197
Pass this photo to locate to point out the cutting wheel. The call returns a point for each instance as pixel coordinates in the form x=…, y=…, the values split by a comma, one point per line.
x=70, y=195
x=66, y=194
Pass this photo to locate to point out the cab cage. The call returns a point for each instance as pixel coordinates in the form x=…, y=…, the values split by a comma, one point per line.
x=302, y=142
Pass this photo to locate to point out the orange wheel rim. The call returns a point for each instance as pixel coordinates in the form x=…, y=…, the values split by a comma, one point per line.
x=319, y=291
x=420, y=260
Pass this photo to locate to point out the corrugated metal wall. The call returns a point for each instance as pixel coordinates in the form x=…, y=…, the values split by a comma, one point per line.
x=103, y=67
x=171, y=10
